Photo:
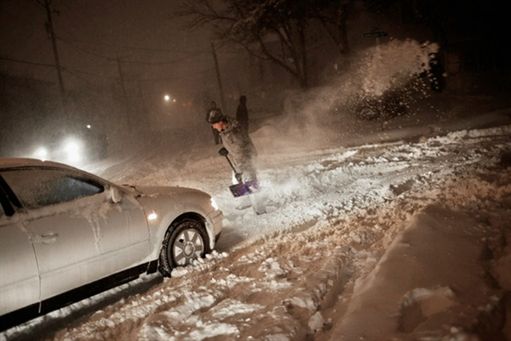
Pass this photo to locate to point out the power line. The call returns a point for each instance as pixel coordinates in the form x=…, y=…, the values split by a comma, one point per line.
x=96, y=75
x=124, y=61
x=20, y=61
x=136, y=79
x=150, y=49
x=110, y=59
x=174, y=78
x=79, y=49
x=78, y=76
x=169, y=62
x=69, y=70
x=76, y=71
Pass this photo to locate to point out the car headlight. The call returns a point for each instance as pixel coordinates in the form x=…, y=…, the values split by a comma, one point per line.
x=73, y=150
x=41, y=153
x=214, y=204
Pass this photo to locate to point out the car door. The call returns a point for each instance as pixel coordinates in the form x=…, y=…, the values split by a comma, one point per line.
x=19, y=277
x=124, y=232
x=59, y=219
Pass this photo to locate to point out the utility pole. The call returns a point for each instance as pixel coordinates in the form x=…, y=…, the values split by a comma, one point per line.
x=143, y=104
x=218, y=78
x=124, y=92
x=51, y=31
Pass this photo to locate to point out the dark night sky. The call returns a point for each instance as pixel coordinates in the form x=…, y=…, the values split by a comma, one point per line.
x=93, y=29
x=94, y=32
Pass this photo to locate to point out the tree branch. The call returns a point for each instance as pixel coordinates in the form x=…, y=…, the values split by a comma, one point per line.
x=276, y=60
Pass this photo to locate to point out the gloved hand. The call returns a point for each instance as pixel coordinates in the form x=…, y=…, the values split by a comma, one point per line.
x=239, y=177
x=223, y=151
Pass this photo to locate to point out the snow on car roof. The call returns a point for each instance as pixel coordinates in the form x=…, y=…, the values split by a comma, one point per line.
x=26, y=162
x=9, y=163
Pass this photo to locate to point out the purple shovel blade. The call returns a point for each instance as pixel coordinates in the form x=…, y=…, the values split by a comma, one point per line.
x=246, y=188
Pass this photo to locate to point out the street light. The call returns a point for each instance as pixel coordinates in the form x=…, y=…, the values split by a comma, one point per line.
x=166, y=98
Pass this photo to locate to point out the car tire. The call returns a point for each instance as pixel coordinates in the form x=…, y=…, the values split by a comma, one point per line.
x=184, y=242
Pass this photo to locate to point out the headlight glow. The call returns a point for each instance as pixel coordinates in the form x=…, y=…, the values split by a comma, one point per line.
x=214, y=204
x=41, y=153
x=73, y=150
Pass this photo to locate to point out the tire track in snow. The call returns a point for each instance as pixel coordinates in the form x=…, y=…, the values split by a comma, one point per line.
x=351, y=220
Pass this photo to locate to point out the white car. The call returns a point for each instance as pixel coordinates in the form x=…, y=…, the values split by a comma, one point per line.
x=66, y=234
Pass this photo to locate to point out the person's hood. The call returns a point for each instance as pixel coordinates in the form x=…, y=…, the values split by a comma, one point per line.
x=231, y=125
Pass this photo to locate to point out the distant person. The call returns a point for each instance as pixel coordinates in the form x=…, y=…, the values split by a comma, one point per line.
x=213, y=107
x=242, y=114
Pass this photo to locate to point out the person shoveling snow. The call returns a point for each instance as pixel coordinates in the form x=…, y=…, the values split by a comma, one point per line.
x=240, y=152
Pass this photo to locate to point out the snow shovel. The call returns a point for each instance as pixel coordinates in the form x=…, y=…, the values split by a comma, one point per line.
x=241, y=188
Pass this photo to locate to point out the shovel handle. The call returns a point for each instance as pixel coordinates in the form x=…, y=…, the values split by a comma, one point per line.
x=231, y=164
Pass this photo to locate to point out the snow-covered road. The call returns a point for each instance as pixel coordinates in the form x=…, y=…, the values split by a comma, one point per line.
x=320, y=259
x=302, y=188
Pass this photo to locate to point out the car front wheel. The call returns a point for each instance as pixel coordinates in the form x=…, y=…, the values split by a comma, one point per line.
x=183, y=243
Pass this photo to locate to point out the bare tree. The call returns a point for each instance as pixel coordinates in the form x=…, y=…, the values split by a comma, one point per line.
x=333, y=15
x=274, y=30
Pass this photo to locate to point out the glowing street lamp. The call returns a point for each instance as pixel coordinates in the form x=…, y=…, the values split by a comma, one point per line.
x=166, y=98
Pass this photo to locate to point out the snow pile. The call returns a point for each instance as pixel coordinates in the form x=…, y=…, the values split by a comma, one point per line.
x=431, y=281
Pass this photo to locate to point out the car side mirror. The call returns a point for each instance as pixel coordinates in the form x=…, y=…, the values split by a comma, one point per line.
x=115, y=194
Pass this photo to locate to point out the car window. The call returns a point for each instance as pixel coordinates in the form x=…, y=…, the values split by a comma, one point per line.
x=41, y=187
x=5, y=206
